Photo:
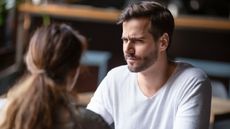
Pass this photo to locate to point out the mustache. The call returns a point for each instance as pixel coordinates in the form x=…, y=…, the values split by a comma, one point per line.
x=131, y=56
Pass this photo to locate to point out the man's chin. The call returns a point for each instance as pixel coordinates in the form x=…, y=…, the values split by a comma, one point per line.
x=132, y=69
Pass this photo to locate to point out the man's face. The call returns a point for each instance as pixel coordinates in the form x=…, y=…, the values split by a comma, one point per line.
x=139, y=48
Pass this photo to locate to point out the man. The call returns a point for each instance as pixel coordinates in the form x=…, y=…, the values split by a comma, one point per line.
x=152, y=92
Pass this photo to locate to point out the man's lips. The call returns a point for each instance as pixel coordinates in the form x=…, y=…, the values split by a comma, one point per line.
x=131, y=59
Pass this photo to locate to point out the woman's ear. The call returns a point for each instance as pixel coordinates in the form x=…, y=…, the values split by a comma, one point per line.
x=164, y=42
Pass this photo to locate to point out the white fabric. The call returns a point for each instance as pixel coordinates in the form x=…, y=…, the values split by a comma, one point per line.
x=2, y=104
x=182, y=103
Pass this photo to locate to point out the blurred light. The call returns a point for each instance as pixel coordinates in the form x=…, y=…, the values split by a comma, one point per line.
x=194, y=4
x=173, y=9
x=37, y=2
x=10, y=4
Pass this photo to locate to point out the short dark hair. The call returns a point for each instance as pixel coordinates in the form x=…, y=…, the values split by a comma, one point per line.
x=161, y=18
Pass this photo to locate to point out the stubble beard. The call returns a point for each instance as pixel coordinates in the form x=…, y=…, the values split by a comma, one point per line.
x=146, y=62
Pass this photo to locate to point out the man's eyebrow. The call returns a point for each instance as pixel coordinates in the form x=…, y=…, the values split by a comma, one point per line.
x=137, y=37
x=133, y=37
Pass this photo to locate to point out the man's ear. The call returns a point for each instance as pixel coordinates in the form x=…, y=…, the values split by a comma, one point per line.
x=164, y=42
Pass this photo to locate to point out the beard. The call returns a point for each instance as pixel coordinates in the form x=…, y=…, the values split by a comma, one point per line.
x=141, y=63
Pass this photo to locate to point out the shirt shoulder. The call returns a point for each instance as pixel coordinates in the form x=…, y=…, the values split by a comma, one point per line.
x=190, y=80
x=120, y=73
x=186, y=70
x=119, y=70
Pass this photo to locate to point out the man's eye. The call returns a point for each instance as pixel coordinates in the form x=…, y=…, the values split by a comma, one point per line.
x=125, y=40
x=138, y=41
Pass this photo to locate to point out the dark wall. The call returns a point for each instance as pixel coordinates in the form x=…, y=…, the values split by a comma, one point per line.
x=201, y=43
x=104, y=37
x=101, y=36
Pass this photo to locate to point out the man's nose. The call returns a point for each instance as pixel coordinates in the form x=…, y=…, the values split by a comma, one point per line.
x=129, y=48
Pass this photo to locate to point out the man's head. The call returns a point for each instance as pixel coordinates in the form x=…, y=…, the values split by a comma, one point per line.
x=147, y=30
x=161, y=19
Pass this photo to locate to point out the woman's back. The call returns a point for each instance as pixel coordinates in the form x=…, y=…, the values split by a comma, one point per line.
x=41, y=99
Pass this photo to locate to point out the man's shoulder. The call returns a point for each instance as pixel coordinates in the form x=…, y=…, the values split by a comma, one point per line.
x=120, y=73
x=190, y=79
x=187, y=70
x=119, y=69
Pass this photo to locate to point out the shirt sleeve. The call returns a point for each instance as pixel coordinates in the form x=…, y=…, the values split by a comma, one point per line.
x=194, y=108
x=100, y=103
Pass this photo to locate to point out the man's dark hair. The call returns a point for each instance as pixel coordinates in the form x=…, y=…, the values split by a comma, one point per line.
x=162, y=20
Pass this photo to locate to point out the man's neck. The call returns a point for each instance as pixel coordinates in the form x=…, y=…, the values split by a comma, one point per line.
x=151, y=80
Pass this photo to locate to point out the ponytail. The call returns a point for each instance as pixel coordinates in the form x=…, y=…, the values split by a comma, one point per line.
x=32, y=103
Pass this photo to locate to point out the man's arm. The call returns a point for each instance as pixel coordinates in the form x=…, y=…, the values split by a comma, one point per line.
x=194, y=108
x=100, y=102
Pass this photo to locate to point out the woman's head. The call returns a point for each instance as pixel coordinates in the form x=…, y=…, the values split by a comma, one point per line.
x=52, y=59
x=55, y=51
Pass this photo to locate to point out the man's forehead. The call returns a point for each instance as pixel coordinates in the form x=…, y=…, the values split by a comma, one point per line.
x=133, y=36
x=136, y=27
x=140, y=21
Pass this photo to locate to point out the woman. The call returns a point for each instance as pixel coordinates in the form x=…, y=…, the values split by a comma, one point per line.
x=41, y=100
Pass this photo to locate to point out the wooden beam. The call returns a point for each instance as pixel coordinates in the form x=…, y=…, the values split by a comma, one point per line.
x=77, y=12
x=111, y=15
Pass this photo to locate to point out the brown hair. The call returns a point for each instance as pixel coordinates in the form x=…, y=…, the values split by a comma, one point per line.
x=162, y=20
x=54, y=51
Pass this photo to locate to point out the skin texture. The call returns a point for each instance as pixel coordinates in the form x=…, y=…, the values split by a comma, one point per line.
x=140, y=49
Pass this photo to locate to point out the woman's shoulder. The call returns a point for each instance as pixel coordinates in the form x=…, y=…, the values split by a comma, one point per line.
x=88, y=119
x=79, y=118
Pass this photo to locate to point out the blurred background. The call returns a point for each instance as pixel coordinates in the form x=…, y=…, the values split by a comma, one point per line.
x=201, y=37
